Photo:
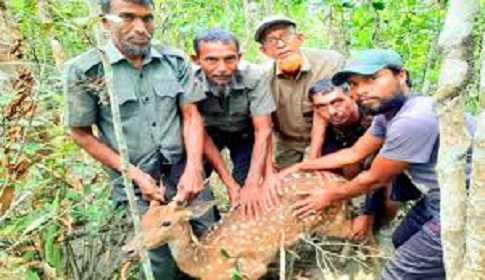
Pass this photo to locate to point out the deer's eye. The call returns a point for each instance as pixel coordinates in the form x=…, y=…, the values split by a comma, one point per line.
x=166, y=223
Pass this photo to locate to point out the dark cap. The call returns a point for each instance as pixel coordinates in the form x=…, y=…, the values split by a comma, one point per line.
x=270, y=22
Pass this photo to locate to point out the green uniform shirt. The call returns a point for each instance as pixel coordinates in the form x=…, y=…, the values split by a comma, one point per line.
x=149, y=100
x=248, y=95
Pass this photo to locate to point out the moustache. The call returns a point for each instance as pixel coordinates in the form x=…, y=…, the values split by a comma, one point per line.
x=145, y=35
x=222, y=76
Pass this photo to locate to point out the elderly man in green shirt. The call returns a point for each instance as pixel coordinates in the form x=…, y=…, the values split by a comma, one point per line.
x=157, y=115
x=237, y=115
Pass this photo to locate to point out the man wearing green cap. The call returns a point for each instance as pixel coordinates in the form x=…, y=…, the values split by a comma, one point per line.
x=405, y=135
x=293, y=72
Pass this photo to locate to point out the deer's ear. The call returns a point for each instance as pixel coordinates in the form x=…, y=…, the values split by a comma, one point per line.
x=199, y=208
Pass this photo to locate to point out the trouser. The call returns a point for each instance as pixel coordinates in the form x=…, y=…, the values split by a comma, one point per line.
x=289, y=152
x=240, y=145
x=162, y=262
x=417, y=241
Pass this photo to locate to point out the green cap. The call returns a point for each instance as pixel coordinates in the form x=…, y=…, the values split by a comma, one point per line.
x=368, y=62
x=270, y=22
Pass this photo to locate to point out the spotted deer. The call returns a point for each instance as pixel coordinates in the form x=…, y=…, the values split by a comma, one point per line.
x=237, y=242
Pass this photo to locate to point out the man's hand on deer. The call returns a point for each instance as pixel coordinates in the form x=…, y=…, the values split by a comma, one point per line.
x=147, y=185
x=250, y=200
x=271, y=191
x=190, y=185
x=312, y=201
x=233, y=192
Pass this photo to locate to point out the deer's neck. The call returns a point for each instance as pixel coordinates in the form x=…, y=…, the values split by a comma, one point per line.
x=190, y=256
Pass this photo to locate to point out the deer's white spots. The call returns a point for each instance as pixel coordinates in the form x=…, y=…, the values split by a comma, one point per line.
x=250, y=240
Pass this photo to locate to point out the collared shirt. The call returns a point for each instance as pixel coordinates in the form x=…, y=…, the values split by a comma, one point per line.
x=341, y=137
x=148, y=98
x=347, y=136
x=294, y=113
x=247, y=96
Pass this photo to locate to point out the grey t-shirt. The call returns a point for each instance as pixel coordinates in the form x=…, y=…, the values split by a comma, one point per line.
x=412, y=135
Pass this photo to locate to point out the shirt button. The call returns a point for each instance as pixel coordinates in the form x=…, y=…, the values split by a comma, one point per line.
x=154, y=124
x=141, y=75
x=146, y=99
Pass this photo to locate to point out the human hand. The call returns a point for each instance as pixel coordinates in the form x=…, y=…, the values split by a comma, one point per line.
x=190, y=185
x=233, y=192
x=147, y=185
x=250, y=200
x=271, y=191
x=312, y=201
x=361, y=227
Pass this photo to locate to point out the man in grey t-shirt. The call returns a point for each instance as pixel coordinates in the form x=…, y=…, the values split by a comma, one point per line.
x=405, y=132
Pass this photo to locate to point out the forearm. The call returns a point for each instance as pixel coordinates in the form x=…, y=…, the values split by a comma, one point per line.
x=214, y=158
x=317, y=136
x=363, y=183
x=98, y=150
x=315, y=148
x=269, y=166
x=259, y=156
x=331, y=161
x=193, y=139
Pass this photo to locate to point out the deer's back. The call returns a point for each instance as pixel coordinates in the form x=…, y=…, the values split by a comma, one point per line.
x=260, y=238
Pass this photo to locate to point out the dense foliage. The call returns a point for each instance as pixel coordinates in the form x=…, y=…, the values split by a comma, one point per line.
x=62, y=189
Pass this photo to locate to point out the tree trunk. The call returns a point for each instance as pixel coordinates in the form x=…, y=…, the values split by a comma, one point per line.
x=455, y=44
x=475, y=226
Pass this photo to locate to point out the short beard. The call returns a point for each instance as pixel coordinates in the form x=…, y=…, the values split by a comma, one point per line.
x=393, y=104
x=220, y=86
x=136, y=50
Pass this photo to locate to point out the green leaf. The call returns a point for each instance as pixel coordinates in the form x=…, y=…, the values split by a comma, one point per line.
x=52, y=250
x=347, y=4
x=378, y=5
x=30, y=275
x=37, y=223
x=235, y=274
x=225, y=254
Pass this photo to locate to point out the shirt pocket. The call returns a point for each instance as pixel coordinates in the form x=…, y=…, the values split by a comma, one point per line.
x=167, y=93
x=127, y=102
x=210, y=107
x=239, y=104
